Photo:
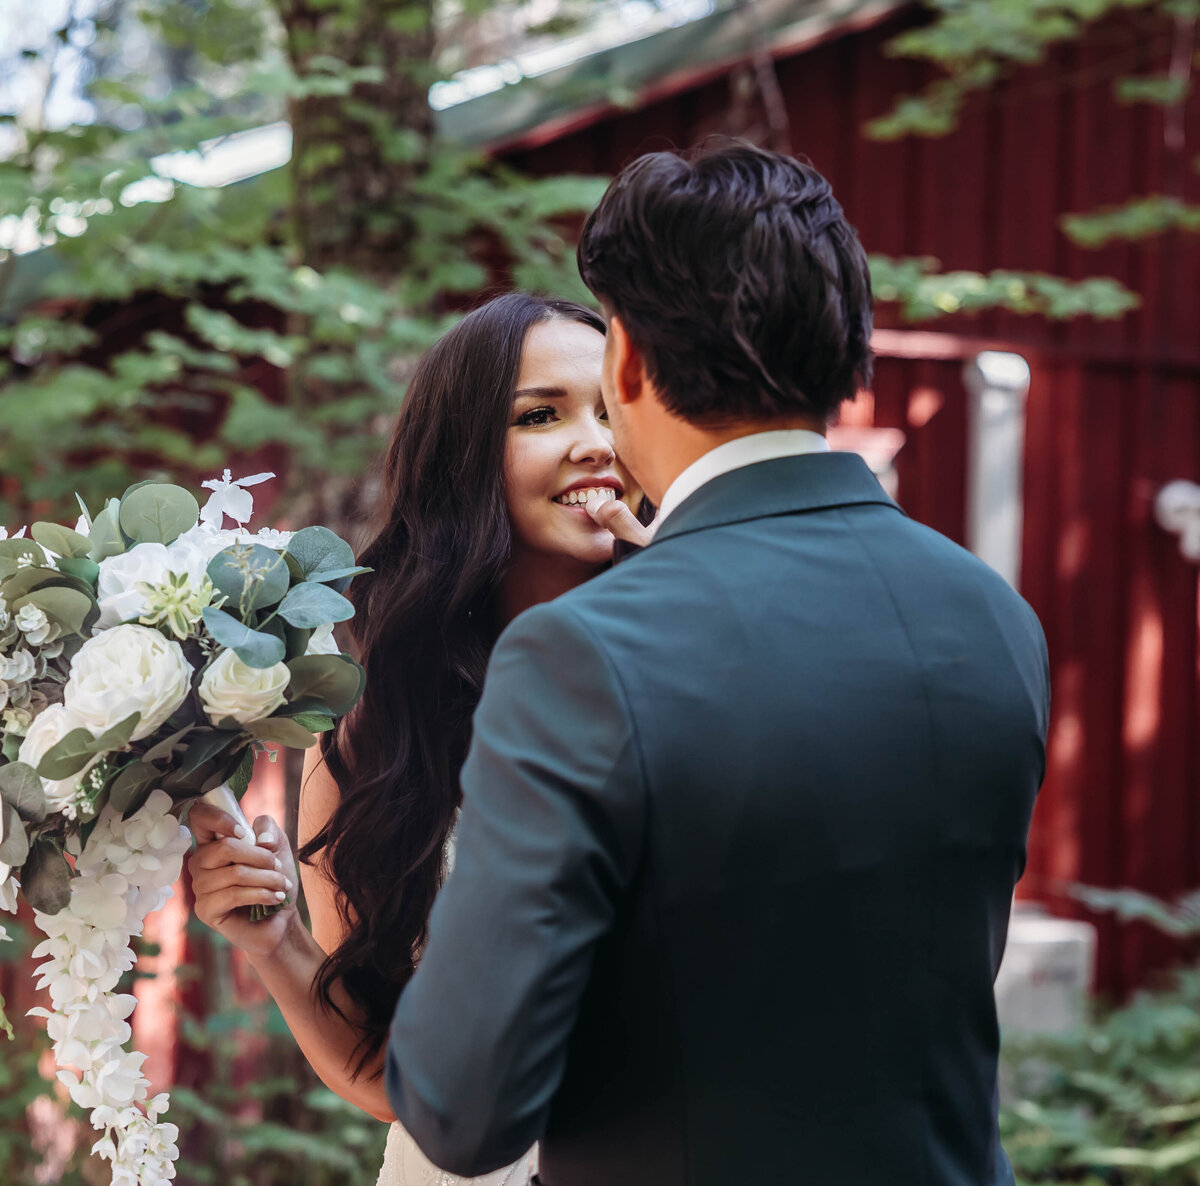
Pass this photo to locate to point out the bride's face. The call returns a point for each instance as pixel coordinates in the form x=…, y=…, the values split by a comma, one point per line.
x=560, y=444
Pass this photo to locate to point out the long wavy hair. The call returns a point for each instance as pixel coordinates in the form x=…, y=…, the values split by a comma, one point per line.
x=424, y=628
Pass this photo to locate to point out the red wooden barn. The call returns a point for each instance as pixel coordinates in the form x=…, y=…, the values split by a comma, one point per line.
x=1113, y=408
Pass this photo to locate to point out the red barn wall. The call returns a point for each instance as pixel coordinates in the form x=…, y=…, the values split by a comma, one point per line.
x=1114, y=407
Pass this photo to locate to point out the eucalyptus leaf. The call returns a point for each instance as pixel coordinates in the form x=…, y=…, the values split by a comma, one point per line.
x=158, y=513
x=106, y=539
x=87, y=515
x=20, y=553
x=250, y=575
x=317, y=550
x=339, y=574
x=311, y=605
x=26, y=580
x=68, y=756
x=14, y=848
x=67, y=608
x=46, y=877
x=334, y=681
x=10, y=745
x=254, y=648
x=62, y=541
x=82, y=567
x=315, y=722
x=282, y=731
x=21, y=787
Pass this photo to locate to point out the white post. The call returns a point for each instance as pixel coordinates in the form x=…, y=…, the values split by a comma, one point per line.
x=997, y=385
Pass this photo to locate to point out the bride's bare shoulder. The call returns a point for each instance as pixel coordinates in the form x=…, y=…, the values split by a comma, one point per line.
x=318, y=800
x=319, y=794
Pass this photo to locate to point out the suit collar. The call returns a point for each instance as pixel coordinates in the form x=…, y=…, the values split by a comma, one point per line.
x=784, y=486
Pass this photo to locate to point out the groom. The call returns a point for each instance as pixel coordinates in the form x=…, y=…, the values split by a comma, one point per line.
x=742, y=817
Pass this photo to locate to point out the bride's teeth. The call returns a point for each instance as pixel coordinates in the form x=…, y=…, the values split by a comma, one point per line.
x=580, y=497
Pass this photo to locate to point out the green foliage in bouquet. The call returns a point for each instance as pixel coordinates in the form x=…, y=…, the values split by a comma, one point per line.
x=257, y=603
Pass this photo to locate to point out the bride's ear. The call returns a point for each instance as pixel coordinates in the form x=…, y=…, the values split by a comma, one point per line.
x=626, y=364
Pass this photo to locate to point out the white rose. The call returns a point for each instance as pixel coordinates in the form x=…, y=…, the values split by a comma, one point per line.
x=125, y=670
x=231, y=688
x=48, y=729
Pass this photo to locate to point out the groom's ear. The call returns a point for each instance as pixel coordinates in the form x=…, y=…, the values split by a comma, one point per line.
x=626, y=364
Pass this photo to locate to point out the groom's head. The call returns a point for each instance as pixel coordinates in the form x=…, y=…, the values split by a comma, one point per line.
x=739, y=294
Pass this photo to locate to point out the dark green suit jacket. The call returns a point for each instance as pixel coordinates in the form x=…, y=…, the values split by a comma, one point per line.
x=742, y=819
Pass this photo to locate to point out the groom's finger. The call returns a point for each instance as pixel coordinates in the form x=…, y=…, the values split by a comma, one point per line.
x=615, y=517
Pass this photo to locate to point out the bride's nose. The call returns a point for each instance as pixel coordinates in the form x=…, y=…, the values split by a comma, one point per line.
x=592, y=444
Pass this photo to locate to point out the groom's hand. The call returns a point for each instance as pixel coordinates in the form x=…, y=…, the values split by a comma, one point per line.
x=617, y=519
x=230, y=873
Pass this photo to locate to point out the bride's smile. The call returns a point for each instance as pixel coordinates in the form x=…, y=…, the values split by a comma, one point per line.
x=559, y=451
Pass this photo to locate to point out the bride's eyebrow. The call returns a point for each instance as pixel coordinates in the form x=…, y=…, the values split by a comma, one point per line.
x=540, y=393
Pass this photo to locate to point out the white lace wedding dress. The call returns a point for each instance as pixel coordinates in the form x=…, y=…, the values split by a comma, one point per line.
x=405, y=1165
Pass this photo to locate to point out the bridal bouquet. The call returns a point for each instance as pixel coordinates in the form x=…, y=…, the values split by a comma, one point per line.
x=146, y=656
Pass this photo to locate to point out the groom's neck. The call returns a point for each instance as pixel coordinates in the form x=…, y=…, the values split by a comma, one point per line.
x=677, y=444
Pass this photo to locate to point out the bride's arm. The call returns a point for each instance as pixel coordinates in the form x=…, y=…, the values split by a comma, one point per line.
x=229, y=873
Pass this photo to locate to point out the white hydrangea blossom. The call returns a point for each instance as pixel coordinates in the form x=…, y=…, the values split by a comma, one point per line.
x=124, y=873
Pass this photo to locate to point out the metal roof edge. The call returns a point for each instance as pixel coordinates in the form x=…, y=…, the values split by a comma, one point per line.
x=528, y=114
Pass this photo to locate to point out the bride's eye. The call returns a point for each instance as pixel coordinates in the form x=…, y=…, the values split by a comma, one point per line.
x=535, y=417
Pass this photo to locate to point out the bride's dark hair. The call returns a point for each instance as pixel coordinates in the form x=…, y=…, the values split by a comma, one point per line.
x=424, y=628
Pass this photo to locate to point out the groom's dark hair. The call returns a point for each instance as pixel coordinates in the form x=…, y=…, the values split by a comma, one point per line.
x=735, y=273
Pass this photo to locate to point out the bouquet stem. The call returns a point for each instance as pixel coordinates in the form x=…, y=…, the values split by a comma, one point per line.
x=224, y=799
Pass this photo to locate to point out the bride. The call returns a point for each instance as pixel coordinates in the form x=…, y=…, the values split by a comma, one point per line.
x=482, y=516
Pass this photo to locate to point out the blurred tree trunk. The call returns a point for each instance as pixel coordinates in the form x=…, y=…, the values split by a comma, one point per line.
x=363, y=129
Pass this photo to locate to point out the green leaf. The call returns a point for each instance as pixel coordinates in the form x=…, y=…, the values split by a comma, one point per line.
x=132, y=787
x=254, y=648
x=239, y=780
x=61, y=540
x=338, y=574
x=163, y=750
x=67, y=608
x=250, y=575
x=334, y=682
x=317, y=551
x=46, y=877
x=205, y=746
x=315, y=722
x=117, y=738
x=158, y=513
x=282, y=731
x=25, y=580
x=311, y=605
x=14, y=848
x=68, y=756
x=20, y=553
x=106, y=539
x=84, y=568
x=21, y=787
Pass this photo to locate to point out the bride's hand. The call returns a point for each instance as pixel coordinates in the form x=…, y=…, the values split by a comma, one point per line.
x=616, y=518
x=230, y=874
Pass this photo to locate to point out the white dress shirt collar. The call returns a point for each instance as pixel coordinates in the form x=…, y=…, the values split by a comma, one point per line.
x=742, y=451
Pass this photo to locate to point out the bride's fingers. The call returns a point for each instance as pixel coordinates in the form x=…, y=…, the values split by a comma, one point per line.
x=233, y=852
x=214, y=909
x=211, y=881
x=208, y=823
x=615, y=517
